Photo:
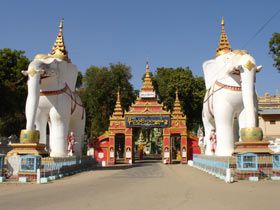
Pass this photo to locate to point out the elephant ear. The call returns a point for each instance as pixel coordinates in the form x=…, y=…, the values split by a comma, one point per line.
x=211, y=72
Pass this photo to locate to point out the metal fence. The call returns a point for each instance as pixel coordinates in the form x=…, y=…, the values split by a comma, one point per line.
x=60, y=167
x=216, y=166
x=243, y=167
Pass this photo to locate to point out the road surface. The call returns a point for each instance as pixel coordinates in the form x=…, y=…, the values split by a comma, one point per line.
x=146, y=186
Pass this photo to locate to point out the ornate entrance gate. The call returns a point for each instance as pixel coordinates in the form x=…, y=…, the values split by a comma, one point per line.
x=145, y=112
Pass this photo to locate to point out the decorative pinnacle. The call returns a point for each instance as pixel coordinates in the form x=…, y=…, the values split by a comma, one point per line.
x=147, y=67
x=59, y=49
x=118, y=107
x=224, y=45
x=177, y=106
x=61, y=24
x=177, y=97
x=223, y=22
x=118, y=95
x=147, y=84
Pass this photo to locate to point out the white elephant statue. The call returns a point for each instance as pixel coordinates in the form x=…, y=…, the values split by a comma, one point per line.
x=230, y=83
x=51, y=99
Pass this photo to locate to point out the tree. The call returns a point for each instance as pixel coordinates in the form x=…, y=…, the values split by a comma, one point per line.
x=191, y=91
x=13, y=91
x=274, y=49
x=100, y=93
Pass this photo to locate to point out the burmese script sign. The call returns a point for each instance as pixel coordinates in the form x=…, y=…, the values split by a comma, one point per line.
x=144, y=94
x=146, y=121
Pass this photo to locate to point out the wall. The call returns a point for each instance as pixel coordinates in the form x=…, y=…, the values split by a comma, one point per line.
x=270, y=130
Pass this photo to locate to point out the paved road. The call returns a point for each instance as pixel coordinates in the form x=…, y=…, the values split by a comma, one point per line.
x=148, y=186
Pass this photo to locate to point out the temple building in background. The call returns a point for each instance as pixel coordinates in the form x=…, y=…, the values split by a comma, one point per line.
x=269, y=115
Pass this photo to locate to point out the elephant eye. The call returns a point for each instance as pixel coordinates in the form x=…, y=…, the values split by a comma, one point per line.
x=236, y=71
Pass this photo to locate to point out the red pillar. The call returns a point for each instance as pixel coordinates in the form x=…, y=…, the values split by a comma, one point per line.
x=128, y=146
x=111, y=151
x=184, y=149
x=166, y=154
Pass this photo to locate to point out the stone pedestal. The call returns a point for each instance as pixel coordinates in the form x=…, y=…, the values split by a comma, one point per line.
x=29, y=144
x=32, y=148
x=252, y=142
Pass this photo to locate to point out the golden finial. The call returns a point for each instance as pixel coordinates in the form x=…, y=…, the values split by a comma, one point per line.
x=147, y=67
x=118, y=95
x=118, y=112
x=59, y=49
x=224, y=45
x=177, y=97
x=223, y=21
x=177, y=106
x=61, y=24
x=118, y=107
x=147, y=84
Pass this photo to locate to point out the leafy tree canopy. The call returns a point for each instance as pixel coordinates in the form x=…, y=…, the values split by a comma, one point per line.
x=274, y=49
x=100, y=93
x=190, y=88
x=13, y=91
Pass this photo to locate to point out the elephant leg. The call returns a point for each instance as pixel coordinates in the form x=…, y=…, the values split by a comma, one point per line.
x=41, y=124
x=224, y=117
x=59, y=132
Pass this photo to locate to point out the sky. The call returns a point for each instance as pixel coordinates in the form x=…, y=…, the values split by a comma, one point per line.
x=166, y=33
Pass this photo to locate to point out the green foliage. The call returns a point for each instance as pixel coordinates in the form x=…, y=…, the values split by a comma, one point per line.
x=101, y=85
x=274, y=49
x=191, y=91
x=100, y=94
x=13, y=91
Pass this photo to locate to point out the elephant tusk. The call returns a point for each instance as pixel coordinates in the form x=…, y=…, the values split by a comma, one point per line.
x=25, y=73
x=259, y=68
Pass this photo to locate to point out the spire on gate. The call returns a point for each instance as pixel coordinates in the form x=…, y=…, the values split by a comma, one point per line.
x=118, y=112
x=177, y=116
x=147, y=84
x=59, y=49
x=224, y=45
x=177, y=111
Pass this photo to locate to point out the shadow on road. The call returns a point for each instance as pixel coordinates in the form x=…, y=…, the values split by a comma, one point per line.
x=137, y=163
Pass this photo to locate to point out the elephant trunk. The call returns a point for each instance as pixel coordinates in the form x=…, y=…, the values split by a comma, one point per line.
x=32, y=100
x=248, y=96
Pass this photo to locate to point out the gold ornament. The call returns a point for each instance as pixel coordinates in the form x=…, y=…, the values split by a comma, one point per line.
x=224, y=45
x=29, y=136
x=250, y=65
x=59, y=49
x=251, y=134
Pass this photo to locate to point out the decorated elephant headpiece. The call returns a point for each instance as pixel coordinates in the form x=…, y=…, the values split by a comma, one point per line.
x=227, y=61
x=59, y=50
x=224, y=45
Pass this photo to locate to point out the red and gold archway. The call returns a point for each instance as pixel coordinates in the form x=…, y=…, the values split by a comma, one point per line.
x=145, y=112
